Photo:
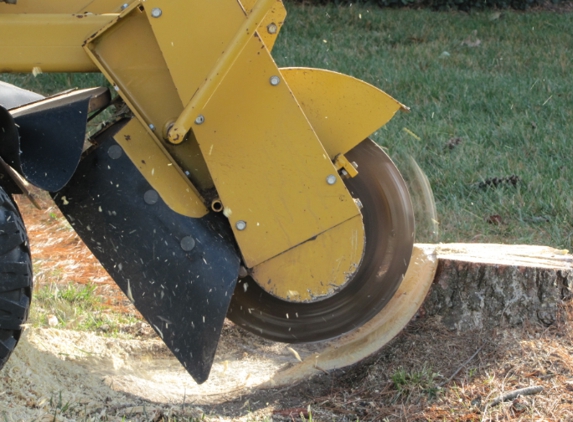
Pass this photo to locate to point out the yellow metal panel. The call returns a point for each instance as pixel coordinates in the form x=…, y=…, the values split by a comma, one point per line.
x=317, y=268
x=216, y=74
x=267, y=164
x=52, y=43
x=342, y=110
x=271, y=24
x=63, y=6
x=197, y=80
x=129, y=57
x=269, y=168
x=193, y=35
x=157, y=168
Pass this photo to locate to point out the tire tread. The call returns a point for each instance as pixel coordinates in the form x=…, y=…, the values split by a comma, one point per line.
x=16, y=281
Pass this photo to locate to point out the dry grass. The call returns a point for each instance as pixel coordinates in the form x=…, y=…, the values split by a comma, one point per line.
x=60, y=258
x=410, y=380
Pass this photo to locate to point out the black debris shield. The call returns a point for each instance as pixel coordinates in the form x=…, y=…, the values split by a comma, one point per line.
x=180, y=272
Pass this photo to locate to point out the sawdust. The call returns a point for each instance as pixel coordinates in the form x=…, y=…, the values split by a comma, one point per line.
x=34, y=382
x=97, y=376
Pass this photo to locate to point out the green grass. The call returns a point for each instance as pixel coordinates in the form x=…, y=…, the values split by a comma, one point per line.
x=414, y=382
x=509, y=100
x=76, y=307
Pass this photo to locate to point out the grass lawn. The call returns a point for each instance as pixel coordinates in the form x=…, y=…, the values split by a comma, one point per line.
x=491, y=97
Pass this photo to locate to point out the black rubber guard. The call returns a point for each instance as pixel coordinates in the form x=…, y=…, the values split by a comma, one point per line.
x=184, y=295
x=42, y=139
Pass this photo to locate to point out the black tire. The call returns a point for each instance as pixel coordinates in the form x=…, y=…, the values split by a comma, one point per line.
x=15, y=276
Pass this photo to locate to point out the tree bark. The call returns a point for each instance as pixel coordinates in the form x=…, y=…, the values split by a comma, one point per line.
x=481, y=286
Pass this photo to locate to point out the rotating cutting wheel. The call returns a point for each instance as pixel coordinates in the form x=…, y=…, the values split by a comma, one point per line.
x=389, y=226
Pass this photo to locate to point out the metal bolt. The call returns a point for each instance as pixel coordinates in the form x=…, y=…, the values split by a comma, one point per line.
x=124, y=6
x=272, y=28
x=241, y=225
x=156, y=12
x=151, y=197
x=358, y=203
x=200, y=119
x=331, y=179
x=114, y=152
x=151, y=126
x=275, y=80
x=187, y=243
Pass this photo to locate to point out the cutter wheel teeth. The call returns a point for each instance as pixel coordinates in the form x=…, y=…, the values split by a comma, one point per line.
x=389, y=224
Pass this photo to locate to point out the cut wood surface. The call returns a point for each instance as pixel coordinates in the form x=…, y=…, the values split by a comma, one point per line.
x=489, y=285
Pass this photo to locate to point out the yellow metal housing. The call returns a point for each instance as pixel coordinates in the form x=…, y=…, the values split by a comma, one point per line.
x=158, y=169
x=63, y=6
x=271, y=24
x=269, y=168
x=250, y=128
x=317, y=268
x=50, y=43
x=342, y=110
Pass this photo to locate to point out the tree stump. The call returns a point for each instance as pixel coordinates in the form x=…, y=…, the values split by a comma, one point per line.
x=479, y=286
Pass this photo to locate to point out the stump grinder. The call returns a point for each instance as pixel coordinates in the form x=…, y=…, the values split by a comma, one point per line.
x=221, y=186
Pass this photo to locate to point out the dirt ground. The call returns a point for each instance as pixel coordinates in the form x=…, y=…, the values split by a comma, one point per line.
x=426, y=373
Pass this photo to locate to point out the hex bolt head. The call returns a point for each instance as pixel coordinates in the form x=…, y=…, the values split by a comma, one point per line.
x=272, y=28
x=275, y=80
x=187, y=243
x=200, y=119
x=156, y=12
x=114, y=152
x=151, y=197
x=331, y=179
x=241, y=225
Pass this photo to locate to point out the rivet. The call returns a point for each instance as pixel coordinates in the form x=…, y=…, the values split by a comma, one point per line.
x=114, y=152
x=241, y=225
x=124, y=6
x=331, y=179
x=151, y=197
x=187, y=243
x=200, y=119
x=151, y=126
x=272, y=28
x=156, y=12
x=275, y=80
